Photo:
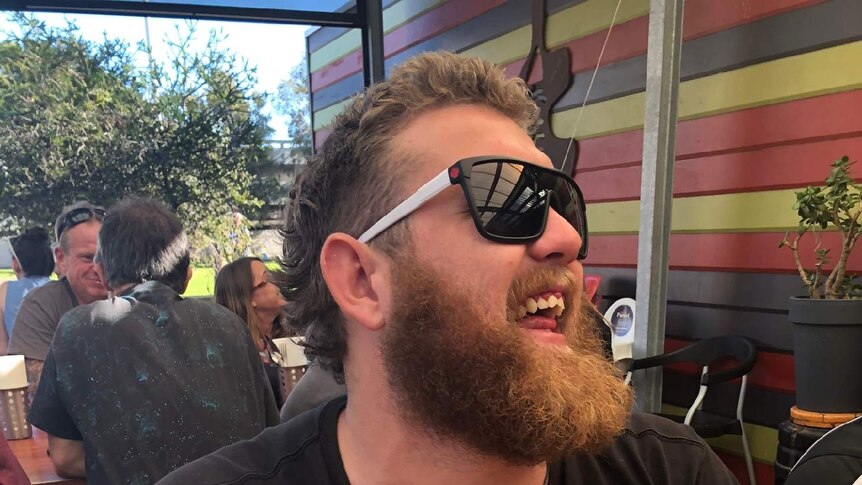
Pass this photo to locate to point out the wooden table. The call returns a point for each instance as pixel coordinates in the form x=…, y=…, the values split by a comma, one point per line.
x=33, y=455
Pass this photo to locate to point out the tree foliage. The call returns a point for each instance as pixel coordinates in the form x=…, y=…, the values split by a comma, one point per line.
x=292, y=101
x=79, y=120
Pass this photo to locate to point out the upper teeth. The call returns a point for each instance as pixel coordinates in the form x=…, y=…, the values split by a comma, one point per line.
x=532, y=305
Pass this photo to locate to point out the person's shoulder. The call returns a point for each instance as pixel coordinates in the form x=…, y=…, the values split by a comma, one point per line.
x=50, y=292
x=284, y=451
x=651, y=446
x=94, y=315
x=649, y=432
x=834, y=458
x=645, y=425
x=210, y=311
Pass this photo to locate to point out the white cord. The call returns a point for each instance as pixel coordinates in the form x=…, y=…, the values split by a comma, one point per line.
x=593, y=79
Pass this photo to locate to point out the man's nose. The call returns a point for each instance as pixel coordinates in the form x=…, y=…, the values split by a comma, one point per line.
x=560, y=243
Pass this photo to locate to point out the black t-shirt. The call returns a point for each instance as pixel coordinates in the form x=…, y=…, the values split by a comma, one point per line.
x=304, y=451
x=835, y=459
x=150, y=381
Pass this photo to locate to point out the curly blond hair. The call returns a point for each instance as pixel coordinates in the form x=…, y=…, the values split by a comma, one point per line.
x=349, y=184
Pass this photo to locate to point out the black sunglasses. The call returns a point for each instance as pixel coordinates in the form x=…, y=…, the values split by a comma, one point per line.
x=78, y=216
x=509, y=199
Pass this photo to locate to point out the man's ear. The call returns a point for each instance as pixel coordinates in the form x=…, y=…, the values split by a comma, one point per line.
x=355, y=276
x=189, y=273
x=58, y=255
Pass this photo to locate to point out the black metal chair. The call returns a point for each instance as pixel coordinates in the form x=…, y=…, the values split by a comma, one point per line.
x=705, y=353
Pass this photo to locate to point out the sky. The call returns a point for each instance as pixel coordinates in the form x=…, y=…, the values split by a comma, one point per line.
x=274, y=49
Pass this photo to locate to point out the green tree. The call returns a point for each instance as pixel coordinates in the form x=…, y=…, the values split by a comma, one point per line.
x=292, y=101
x=213, y=143
x=72, y=122
x=78, y=120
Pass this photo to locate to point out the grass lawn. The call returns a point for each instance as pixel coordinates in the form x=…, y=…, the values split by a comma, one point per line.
x=202, y=283
x=6, y=274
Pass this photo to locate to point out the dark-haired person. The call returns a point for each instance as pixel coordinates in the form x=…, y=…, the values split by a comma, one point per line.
x=246, y=287
x=76, y=232
x=136, y=385
x=836, y=458
x=32, y=263
x=433, y=260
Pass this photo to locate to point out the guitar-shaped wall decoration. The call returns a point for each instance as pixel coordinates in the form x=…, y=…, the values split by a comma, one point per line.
x=556, y=79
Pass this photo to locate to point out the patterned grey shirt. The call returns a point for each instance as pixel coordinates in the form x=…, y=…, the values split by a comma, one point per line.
x=150, y=381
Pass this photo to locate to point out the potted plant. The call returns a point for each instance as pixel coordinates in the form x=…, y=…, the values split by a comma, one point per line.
x=827, y=324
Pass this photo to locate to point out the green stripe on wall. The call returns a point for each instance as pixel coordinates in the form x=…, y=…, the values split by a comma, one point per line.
x=831, y=70
x=393, y=17
x=762, y=441
x=326, y=116
x=571, y=23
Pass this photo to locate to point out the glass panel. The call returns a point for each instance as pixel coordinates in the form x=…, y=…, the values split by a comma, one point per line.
x=303, y=5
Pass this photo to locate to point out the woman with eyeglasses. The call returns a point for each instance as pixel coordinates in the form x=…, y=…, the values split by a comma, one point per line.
x=246, y=288
x=32, y=262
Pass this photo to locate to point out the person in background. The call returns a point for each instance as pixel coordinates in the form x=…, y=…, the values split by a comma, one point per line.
x=32, y=263
x=139, y=384
x=433, y=261
x=246, y=287
x=76, y=232
x=317, y=386
x=834, y=459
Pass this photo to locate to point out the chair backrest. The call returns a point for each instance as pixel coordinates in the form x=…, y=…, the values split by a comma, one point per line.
x=705, y=352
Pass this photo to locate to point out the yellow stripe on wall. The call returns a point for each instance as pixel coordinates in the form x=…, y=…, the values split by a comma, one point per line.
x=762, y=440
x=825, y=71
x=393, y=17
x=764, y=211
x=831, y=70
x=569, y=24
x=749, y=211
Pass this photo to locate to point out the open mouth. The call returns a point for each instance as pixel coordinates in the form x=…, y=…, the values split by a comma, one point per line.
x=548, y=304
x=539, y=315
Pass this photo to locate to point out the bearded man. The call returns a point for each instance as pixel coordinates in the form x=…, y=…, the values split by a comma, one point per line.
x=433, y=264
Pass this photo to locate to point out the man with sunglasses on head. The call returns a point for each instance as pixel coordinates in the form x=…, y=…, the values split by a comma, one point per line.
x=76, y=231
x=433, y=263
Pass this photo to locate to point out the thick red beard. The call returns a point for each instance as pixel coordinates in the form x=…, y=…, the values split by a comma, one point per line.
x=461, y=375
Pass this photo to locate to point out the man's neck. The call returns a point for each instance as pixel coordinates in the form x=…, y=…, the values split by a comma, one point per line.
x=121, y=289
x=378, y=447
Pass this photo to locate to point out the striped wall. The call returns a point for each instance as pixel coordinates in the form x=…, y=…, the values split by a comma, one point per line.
x=769, y=97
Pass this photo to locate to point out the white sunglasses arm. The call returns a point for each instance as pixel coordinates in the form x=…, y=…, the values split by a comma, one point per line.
x=404, y=209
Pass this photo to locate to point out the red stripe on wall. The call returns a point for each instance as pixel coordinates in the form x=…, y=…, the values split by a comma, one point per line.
x=320, y=136
x=766, y=169
x=704, y=17
x=428, y=25
x=818, y=118
x=772, y=370
x=757, y=251
x=629, y=39
x=764, y=473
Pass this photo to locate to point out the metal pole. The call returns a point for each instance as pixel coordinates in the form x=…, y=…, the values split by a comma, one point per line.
x=665, y=40
x=371, y=15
